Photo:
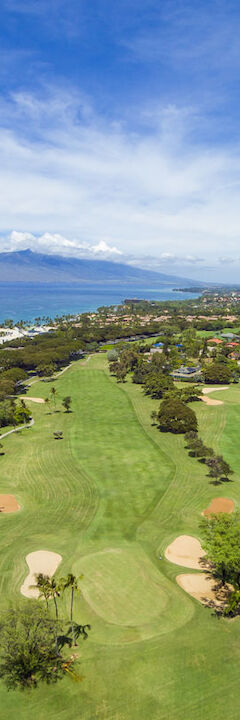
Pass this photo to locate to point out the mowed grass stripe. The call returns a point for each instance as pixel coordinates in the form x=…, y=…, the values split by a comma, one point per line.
x=115, y=481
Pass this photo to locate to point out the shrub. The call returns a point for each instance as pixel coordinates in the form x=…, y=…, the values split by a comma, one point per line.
x=112, y=355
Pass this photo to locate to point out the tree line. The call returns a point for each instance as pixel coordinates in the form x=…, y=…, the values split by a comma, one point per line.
x=174, y=414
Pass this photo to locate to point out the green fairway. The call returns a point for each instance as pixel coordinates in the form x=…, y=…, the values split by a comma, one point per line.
x=109, y=498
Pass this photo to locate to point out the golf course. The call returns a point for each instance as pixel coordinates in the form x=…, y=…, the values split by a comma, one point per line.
x=105, y=501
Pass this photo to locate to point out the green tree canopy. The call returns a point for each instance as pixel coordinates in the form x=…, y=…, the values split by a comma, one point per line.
x=67, y=401
x=22, y=414
x=221, y=535
x=7, y=409
x=217, y=373
x=176, y=417
x=28, y=653
x=46, y=369
x=218, y=467
x=156, y=384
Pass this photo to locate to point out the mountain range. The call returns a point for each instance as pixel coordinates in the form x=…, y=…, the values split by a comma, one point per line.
x=28, y=266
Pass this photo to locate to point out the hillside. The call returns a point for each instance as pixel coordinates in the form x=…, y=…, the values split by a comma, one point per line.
x=27, y=266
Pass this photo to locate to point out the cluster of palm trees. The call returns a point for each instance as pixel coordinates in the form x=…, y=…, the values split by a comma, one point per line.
x=51, y=400
x=52, y=589
x=52, y=397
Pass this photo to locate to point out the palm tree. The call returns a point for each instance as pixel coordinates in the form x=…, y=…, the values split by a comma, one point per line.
x=49, y=589
x=53, y=393
x=71, y=581
x=54, y=592
x=42, y=584
x=47, y=401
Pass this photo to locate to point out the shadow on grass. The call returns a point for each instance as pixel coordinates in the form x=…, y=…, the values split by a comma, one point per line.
x=220, y=481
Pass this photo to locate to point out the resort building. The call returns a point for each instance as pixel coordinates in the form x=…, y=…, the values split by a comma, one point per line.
x=188, y=374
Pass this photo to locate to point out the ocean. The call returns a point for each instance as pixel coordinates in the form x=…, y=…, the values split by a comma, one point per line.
x=27, y=301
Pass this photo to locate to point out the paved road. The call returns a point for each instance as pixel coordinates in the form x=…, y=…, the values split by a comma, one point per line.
x=17, y=429
x=32, y=420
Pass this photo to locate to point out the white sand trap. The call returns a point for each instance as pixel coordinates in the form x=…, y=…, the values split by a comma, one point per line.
x=41, y=561
x=33, y=399
x=209, y=401
x=186, y=551
x=205, y=391
x=204, y=588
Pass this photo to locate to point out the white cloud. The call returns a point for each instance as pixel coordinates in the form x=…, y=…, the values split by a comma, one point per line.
x=102, y=247
x=55, y=243
x=73, y=184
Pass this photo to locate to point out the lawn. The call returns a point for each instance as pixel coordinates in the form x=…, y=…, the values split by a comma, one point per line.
x=109, y=498
x=216, y=333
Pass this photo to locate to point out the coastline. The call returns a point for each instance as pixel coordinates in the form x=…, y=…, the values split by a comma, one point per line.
x=29, y=301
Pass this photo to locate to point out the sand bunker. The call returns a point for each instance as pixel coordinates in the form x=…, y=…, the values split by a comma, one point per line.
x=208, y=400
x=206, y=391
x=204, y=588
x=219, y=505
x=33, y=399
x=8, y=504
x=186, y=551
x=41, y=561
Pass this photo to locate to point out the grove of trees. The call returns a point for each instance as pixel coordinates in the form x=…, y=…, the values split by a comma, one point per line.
x=33, y=642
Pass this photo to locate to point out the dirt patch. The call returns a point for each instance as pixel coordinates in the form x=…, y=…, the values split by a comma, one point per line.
x=41, y=561
x=8, y=504
x=204, y=588
x=187, y=551
x=33, y=399
x=219, y=505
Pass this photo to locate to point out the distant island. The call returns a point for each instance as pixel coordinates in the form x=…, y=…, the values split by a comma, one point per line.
x=193, y=289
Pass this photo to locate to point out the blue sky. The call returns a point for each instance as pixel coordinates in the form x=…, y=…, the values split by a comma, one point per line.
x=119, y=132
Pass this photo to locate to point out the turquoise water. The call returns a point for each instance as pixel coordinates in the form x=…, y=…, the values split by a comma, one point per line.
x=26, y=301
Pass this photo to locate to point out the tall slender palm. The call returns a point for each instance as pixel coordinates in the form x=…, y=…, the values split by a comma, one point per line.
x=47, y=401
x=49, y=589
x=53, y=393
x=54, y=592
x=42, y=584
x=71, y=582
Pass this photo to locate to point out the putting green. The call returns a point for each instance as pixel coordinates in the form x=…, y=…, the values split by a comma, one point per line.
x=127, y=598
x=123, y=586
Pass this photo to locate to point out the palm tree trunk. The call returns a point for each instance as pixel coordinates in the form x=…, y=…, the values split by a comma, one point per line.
x=71, y=617
x=56, y=607
x=56, y=637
